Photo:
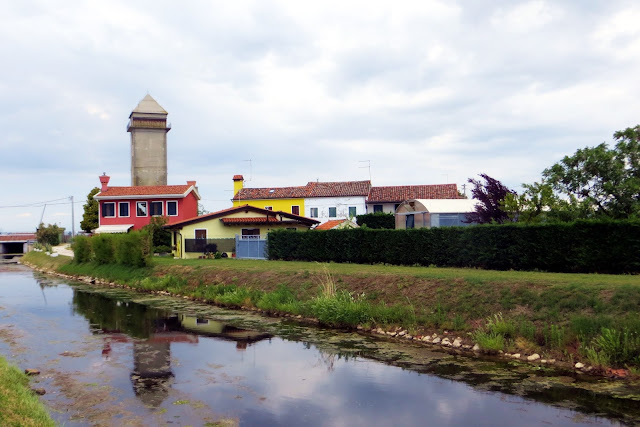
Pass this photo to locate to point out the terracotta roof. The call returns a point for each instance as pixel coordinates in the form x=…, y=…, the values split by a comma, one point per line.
x=149, y=190
x=17, y=237
x=238, y=178
x=247, y=208
x=338, y=189
x=400, y=193
x=312, y=189
x=271, y=193
x=251, y=220
x=329, y=224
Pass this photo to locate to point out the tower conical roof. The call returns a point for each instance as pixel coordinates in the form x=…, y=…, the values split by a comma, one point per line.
x=149, y=105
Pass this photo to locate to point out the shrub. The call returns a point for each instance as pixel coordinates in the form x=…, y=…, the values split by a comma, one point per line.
x=377, y=220
x=81, y=249
x=162, y=249
x=103, y=249
x=132, y=248
x=617, y=347
x=490, y=342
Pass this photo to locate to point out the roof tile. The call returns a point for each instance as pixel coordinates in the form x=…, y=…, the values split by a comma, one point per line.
x=149, y=190
x=400, y=193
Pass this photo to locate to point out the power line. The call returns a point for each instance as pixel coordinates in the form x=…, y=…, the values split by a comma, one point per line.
x=38, y=204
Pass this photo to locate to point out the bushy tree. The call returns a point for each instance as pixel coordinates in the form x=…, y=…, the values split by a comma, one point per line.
x=491, y=196
x=90, y=216
x=49, y=235
x=604, y=181
x=159, y=235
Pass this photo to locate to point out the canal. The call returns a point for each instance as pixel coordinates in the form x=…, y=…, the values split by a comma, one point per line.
x=114, y=357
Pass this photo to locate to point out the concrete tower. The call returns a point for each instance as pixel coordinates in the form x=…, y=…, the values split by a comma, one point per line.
x=148, y=127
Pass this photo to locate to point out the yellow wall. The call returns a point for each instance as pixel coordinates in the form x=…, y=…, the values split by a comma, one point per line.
x=283, y=205
x=217, y=230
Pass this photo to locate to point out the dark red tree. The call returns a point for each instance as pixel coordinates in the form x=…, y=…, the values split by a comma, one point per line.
x=490, y=194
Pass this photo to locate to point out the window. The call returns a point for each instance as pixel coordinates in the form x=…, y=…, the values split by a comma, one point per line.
x=250, y=233
x=292, y=228
x=269, y=208
x=377, y=208
x=449, y=220
x=141, y=208
x=410, y=221
x=313, y=212
x=352, y=211
x=156, y=208
x=395, y=207
x=108, y=209
x=332, y=212
x=201, y=234
x=123, y=209
x=295, y=210
x=172, y=208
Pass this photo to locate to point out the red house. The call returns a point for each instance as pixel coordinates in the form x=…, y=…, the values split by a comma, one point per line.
x=125, y=208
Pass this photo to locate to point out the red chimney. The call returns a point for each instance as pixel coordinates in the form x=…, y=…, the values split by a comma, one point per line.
x=238, y=178
x=191, y=183
x=104, y=180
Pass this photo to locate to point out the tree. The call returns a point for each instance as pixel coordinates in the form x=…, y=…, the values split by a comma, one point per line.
x=491, y=196
x=90, y=216
x=160, y=236
x=49, y=235
x=202, y=210
x=540, y=203
x=605, y=181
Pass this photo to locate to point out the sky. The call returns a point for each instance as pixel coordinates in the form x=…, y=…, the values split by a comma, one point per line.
x=287, y=92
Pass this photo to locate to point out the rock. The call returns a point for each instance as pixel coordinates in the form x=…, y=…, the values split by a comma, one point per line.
x=466, y=346
x=30, y=371
x=533, y=357
x=39, y=391
x=409, y=337
x=543, y=360
x=436, y=340
x=53, y=255
x=579, y=365
x=476, y=347
x=402, y=333
x=457, y=343
x=359, y=327
x=516, y=356
x=446, y=342
x=551, y=361
x=434, y=336
x=426, y=339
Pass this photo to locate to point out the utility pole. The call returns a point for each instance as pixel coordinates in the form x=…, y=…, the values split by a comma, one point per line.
x=73, y=221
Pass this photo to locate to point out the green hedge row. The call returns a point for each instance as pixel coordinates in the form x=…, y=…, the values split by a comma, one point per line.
x=132, y=249
x=377, y=220
x=583, y=246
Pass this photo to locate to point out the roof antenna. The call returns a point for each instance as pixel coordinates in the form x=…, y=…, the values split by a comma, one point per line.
x=250, y=169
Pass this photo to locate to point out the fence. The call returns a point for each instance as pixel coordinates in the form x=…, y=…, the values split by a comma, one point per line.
x=209, y=245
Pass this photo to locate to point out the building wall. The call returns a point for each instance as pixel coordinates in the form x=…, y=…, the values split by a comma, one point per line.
x=386, y=207
x=187, y=208
x=148, y=157
x=341, y=204
x=283, y=205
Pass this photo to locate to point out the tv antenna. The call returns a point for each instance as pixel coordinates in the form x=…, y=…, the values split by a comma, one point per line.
x=250, y=168
x=368, y=166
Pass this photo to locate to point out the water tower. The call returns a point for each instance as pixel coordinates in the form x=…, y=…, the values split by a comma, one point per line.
x=148, y=127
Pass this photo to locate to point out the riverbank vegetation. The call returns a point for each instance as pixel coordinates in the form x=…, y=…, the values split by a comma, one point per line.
x=588, y=317
x=19, y=406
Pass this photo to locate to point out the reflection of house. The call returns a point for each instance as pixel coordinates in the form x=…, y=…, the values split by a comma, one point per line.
x=123, y=208
x=387, y=199
x=192, y=237
x=424, y=213
x=221, y=330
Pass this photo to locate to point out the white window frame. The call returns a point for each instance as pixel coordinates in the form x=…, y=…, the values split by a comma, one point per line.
x=102, y=209
x=312, y=211
x=161, y=207
x=355, y=211
x=128, y=209
x=172, y=201
x=335, y=208
x=146, y=209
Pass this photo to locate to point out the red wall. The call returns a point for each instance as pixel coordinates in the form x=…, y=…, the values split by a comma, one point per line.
x=187, y=208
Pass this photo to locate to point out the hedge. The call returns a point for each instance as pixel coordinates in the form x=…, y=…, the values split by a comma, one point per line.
x=131, y=249
x=377, y=220
x=579, y=247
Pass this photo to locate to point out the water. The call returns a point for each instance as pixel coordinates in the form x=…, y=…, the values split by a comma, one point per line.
x=112, y=357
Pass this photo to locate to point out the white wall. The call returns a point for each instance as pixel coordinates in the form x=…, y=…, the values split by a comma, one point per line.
x=340, y=203
x=386, y=207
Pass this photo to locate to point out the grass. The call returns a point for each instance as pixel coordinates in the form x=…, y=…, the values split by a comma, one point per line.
x=19, y=406
x=562, y=315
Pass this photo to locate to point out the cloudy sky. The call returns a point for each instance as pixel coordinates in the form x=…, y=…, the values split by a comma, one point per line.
x=423, y=92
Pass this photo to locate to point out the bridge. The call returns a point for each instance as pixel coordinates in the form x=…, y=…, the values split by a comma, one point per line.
x=16, y=244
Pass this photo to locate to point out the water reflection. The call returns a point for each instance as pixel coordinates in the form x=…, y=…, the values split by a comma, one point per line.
x=151, y=332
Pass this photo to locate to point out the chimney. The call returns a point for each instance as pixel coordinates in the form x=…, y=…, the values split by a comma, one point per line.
x=104, y=180
x=238, y=183
x=191, y=183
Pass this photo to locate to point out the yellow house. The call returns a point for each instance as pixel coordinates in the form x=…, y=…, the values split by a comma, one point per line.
x=224, y=230
x=285, y=199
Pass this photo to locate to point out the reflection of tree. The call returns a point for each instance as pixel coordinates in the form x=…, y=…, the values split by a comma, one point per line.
x=109, y=315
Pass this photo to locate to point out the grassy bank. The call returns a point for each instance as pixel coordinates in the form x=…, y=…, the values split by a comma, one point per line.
x=573, y=317
x=19, y=406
